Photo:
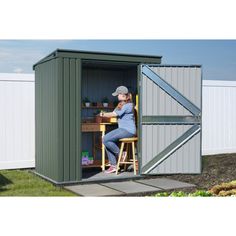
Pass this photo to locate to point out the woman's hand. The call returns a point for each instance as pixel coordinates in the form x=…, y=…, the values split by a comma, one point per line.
x=107, y=114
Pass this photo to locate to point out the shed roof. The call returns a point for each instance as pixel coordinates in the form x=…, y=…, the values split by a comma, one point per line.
x=105, y=56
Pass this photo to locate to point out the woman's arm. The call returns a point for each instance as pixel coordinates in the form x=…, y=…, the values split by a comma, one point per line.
x=108, y=114
x=125, y=108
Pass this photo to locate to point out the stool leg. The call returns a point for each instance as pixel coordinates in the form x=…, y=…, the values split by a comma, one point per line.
x=126, y=158
x=120, y=155
x=137, y=163
x=133, y=153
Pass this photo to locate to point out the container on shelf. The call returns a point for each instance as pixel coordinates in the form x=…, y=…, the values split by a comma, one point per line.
x=85, y=158
x=105, y=104
x=90, y=160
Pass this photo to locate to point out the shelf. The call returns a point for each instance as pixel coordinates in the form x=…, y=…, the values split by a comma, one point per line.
x=98, y=107
x=96, y=163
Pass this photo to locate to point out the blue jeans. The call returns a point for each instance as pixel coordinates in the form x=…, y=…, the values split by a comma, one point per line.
x=110, y=141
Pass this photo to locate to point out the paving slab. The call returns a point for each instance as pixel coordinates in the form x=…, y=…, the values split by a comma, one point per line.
x=164, y=183
x=93, y=190
x=90, y=176
x=131, y=187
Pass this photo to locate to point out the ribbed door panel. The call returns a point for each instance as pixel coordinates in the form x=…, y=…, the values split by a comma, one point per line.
x=157, y=137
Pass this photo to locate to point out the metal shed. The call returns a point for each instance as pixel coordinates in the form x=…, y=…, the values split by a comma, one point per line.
x=169, y=111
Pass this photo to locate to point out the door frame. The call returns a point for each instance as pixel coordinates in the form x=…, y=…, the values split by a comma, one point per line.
x=140, y=95
x=79, y=131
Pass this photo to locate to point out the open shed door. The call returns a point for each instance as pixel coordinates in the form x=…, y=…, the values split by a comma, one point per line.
x=170, y=119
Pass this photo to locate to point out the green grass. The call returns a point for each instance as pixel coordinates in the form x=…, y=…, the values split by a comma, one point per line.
x=25, y=183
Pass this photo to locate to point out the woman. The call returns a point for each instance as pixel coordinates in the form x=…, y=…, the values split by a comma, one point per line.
x=126, y=125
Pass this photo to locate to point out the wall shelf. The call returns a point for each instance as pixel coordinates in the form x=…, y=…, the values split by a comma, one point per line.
x=98, y=107
x=96, y=163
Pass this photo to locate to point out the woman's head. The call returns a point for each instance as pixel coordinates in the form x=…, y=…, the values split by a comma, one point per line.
x=125, y=97
x=123, y=94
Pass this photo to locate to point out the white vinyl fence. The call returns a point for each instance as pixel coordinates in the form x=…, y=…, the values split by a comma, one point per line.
x=17, y=121
x=218, y=117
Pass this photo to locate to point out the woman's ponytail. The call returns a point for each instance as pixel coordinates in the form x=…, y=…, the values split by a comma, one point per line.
x=129, y=98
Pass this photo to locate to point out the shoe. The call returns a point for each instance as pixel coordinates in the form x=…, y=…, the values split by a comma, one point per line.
x=111, y=169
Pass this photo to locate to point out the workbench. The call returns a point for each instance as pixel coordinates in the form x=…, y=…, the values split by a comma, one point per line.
x=97, y=127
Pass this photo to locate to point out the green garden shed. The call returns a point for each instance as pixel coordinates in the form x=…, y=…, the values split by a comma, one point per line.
x=169, y=113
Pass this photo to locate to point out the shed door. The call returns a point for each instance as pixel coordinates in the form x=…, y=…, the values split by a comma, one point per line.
x=170, y=124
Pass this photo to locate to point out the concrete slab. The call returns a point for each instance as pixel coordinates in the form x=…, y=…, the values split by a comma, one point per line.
x=93, y=190
x=95, y=175
x=131, y=187
x=164, y=183
x=127, y=187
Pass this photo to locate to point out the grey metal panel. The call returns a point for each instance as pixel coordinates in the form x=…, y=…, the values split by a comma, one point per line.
x=168, y=120
x=139, y=115
x=185, y=160
x=170, y=90
x=157, y=137
x=186, y=80
x=155, y=102
x=170, y=149
x=201, y=89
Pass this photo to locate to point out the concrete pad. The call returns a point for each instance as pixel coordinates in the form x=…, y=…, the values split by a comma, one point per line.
x=164, y=183
x=129, y=187
x=99, y=175
x=93, y=190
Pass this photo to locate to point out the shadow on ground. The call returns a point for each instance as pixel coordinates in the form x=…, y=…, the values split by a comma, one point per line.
x=3, y=182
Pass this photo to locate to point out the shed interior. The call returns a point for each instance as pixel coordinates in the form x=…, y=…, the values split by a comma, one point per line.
x=99, y=80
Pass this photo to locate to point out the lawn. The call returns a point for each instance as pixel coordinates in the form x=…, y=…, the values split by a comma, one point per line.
x=218, y=174
x=25, y=183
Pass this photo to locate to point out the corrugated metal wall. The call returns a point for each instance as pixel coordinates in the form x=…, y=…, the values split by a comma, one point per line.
x=70, y=120
x=17, y=121
x=219, y=117
x=187, y=80
x=46, y=122
x=57, y=91
x=58, y=111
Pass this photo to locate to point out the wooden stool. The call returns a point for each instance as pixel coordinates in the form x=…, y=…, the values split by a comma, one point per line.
x=128, y=141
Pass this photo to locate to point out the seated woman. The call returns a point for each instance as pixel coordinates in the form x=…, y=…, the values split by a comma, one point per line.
x=126, y=125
